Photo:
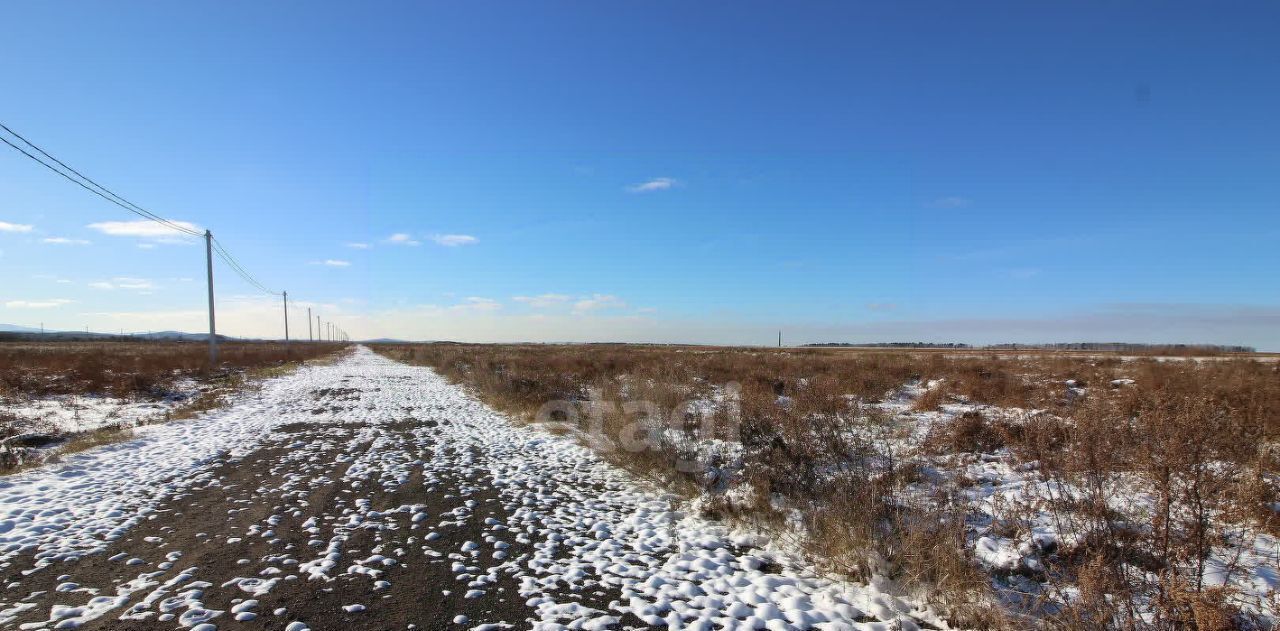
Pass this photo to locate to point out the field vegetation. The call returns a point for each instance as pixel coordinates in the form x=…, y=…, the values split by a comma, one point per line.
x=76, y=394
x=1049, y=489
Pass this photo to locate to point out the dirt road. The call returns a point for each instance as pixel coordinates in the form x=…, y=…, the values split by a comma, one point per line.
x=372, y=495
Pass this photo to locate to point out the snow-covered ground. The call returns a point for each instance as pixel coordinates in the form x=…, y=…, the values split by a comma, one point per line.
x=1015, y=516
x=340, y=495
x=1002, y=491
x=64, y=414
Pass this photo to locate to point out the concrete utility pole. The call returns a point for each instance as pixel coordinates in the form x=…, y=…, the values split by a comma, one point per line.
x=310, y=338
x=779, y=338
x=213, y=332
x=286, y=317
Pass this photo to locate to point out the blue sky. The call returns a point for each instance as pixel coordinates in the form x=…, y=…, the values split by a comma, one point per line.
x=659, y=171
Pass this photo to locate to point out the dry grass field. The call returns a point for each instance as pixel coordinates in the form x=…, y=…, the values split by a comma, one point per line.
x=73, y=395
x=1075, y=490
x=124, y=368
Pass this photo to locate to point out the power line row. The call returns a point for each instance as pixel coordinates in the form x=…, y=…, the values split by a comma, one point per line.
x=213, y=246
x=93, y=187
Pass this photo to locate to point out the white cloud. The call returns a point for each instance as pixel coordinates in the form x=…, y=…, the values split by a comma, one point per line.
x=402, y=238
x=950, y=202
x=454, y=240
x=597, y=302
x=332, y=263
x=359, y=246
x=64, y=241
x=145, y=229
x=37, y=304
x=125, y=282
x=542, y=301
x=656, y=184
x=476, y=303
x=15, y=227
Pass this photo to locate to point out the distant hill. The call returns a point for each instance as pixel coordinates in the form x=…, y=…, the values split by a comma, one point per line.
x=15, y=332
x=13, y=328
x=177, y=336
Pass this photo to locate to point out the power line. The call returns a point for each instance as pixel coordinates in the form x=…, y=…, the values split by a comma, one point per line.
x=122, y=202
x=214, y=246
x=91, y=190
x=109, y=195
x=106, y=193
x=239, y=269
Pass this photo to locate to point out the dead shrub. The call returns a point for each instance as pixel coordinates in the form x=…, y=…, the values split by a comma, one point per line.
x=970, y=432
x=931, y=399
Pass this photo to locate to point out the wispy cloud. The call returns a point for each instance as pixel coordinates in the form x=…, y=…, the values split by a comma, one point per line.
x=542, y=301
x=402, y=238
x=454, y=240
x=597, y=302
x=145, y=229
x=15, y=227
x=359, y=246
x=64, y=241
x=124, y=282
x=950, y=202
x=477, y=303
x=332, y=263
x=37, y=304
x=654, y=185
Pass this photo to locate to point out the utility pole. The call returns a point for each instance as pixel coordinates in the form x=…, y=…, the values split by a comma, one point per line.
x=779, y=338
x=213, y=332
x=286, y=317
x=310, y=338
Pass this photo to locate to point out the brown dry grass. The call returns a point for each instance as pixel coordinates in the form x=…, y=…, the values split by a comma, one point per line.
x=1200, y=435
x=128, y=368
x=133, y=370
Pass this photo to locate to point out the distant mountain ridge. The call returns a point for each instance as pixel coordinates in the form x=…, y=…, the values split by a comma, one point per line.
x=29, y=333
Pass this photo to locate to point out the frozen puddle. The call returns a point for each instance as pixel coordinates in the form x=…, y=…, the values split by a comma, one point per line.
x=373, y=495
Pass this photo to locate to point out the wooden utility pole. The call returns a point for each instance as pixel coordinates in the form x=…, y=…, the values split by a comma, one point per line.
x=213, y=332
x=286, y=317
